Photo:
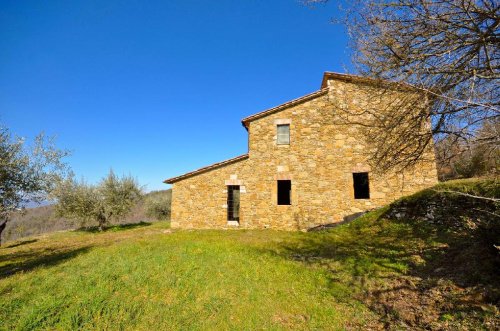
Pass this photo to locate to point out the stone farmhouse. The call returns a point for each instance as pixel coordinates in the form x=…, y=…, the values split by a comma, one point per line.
x=302, y=169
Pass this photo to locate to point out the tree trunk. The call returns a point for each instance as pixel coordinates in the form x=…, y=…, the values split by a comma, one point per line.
x=2, y=227
x=101, y=222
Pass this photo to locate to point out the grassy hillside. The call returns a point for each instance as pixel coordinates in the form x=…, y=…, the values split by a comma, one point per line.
x=406, y=266
x=43, y=219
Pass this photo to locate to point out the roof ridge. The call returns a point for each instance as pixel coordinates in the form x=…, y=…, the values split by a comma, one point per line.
x=361, y=79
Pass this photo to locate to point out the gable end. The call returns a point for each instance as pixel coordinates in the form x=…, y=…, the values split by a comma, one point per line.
x=284, y=106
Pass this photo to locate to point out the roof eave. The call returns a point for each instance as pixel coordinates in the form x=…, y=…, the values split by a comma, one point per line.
x=283, y=106
x=364, y=80
x=205, y=169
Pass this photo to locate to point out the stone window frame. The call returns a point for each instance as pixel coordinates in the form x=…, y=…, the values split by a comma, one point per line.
x=234, y=181
x=361, y=195
x=280, y=122
x=289, y=195
x=293, y=196
x=231, y=218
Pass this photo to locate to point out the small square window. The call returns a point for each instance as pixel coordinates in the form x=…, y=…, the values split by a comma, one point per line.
x=284, y=192
x=283, y=134
x=361, y=185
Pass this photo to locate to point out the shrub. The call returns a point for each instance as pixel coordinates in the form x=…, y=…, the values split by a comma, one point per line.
x=157, y=205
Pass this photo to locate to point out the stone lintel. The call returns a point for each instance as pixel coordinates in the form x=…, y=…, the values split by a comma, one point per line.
x=282, y=168
x=283, y=176
x=282, y=121
x=233, y=182
x=361, y=168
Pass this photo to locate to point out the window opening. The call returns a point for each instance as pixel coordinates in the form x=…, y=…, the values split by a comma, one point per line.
x=283, y=134
x=361, y=185
x=284, y=192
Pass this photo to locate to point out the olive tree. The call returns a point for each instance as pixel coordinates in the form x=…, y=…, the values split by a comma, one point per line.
x=27, y=173
x=110, y=199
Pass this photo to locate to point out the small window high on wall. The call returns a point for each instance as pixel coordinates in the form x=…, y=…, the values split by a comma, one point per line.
x=283, y=134
x=284, y=192
x=361, y=185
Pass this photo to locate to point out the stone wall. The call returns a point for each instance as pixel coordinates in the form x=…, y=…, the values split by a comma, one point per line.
x=319, y=161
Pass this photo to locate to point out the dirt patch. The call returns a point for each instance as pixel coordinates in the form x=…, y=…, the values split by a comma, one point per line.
x=436, y=305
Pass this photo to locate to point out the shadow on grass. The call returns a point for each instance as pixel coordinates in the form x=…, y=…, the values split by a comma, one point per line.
x=359, y=251
x=114, y=228
x=24, y=242
x=27, y=259
x=24, y=261
x=408, y=271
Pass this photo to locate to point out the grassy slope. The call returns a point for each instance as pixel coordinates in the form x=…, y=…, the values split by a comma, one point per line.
x=373, y=272
x=145, y=279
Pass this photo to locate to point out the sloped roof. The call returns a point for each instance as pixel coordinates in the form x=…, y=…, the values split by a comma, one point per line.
x=324, y=90
x=291, y=103
x=362, y=80
x=205, y=169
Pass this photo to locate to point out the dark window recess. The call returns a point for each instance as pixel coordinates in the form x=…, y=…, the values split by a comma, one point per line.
x=284, y=192
x=283, y=134
x=233, y=203
x=361, y=185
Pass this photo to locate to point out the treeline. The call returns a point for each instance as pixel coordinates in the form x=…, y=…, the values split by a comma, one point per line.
x=154, y=206
x=36, y=173
x=475, y=157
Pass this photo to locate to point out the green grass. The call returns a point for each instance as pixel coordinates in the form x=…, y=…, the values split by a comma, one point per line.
x=143, y=278
x=370, y=273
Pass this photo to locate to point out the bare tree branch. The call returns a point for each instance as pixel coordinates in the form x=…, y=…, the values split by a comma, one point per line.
x=468, y=195
x=448, y=50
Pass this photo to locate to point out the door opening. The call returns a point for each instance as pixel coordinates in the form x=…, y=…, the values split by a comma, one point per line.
x=233, y=203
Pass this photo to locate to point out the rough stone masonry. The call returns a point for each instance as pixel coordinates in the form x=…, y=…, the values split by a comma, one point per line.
x=319, y=161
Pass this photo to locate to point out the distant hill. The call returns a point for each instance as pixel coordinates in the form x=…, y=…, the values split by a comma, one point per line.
x=42, y=219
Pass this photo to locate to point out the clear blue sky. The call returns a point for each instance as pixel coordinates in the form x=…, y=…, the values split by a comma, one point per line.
x=157, y=88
